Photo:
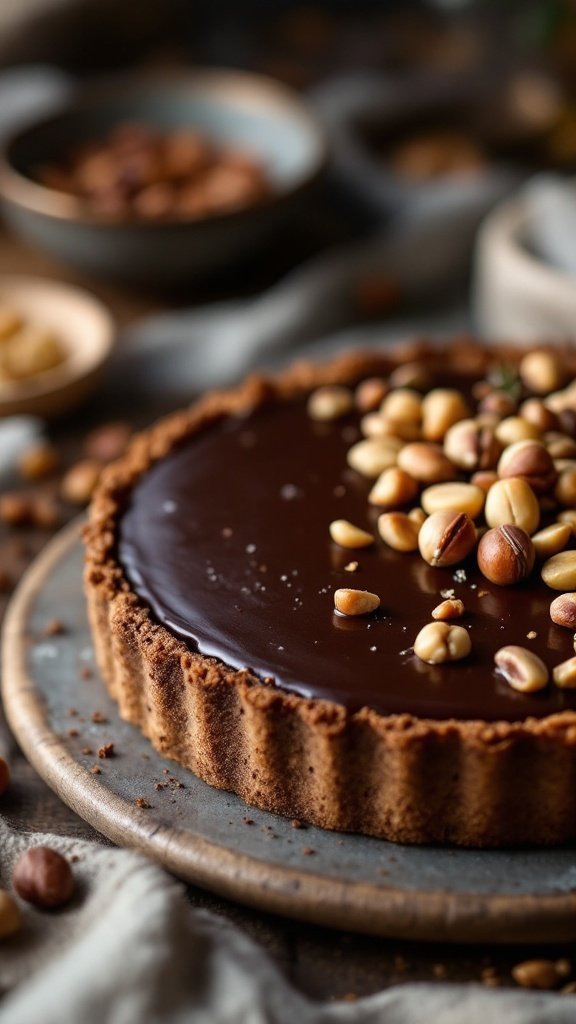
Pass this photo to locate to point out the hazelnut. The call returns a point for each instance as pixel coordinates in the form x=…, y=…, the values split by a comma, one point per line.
x=453, y=497
x=441, y=408
x=10, y=919
x=563, y=611
x=484, y=479
x=521, y=668
x=541, y=372
x=512, y=501
x=355, y=602
x=564, y=674
x=534, y=411
x=370, y=394
x=559, y=572
x=530, y=461
x=403, y=405
x=14, y=509
x=372, y=456
x=108, y=442
x=446, y=538
x=551, y=539
x=506, y=555
x=425, y=462
x=471, y=446
x=399, y=531
x=411, y=375
x=565, y=490
x=393, y=488
x=349, y=536
x=513, y=429
x=42, y=876
x=39, y=461
x=500, y=403
x=80, y=481
x=451, y=608
x=330, y=402
x=537, y=974
x=438, y=642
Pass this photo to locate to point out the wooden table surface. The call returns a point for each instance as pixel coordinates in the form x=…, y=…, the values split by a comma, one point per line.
x=323, y=964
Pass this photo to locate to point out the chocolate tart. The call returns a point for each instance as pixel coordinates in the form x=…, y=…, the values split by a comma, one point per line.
x=210, y=577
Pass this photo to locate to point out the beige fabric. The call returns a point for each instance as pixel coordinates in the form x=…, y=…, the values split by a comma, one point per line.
x=130, y=950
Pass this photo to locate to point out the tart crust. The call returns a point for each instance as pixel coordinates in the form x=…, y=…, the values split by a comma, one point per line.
x=398, y=777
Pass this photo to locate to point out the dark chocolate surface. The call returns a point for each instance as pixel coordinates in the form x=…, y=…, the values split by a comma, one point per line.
x=227, y=540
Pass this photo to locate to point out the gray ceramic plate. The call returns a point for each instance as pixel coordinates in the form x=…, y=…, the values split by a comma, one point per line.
x=213, y=839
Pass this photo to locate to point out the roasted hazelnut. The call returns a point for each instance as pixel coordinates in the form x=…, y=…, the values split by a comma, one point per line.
x=330, y=402
x=79, y=482
x=355, y=602
x=108, y=442
x=373, y=455
x=393, y=488
x=534, y=411
x=512, y=501
x=425, y=462
x=506, y=555
x=370, y=394
x=471, y=445
x=14, y=509
x=559, y=572
x=438, y=642
x=565, y=490
x=563, y=611
x=513, y=429
x=441, y=408
x=42, y=876
x=541, y=372
x=403, y=405
x=531, y=461
x=521, y=668
x=446, y=538
x=399, y=531
x=411, y=375
x=498, y=402
x=453, y=497
x=484, y=479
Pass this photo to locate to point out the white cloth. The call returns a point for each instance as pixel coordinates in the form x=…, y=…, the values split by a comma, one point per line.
x=130, y=950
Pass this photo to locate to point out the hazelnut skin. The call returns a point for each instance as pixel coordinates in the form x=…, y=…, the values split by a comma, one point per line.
x=42, y=876
x=506, y=555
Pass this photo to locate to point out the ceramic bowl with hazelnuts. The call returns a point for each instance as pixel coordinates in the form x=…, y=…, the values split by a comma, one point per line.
x=161, y=180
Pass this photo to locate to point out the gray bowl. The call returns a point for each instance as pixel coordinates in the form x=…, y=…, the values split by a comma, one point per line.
x=232, y=107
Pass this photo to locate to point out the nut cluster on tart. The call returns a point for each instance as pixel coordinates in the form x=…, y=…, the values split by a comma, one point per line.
x=484, y=480
x=348, y=593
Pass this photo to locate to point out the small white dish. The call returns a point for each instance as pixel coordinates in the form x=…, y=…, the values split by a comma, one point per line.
x=85, y=329
x=518, y=296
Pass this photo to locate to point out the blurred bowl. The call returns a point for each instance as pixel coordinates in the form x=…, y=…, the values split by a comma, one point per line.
x=247, y=111
x=81, y=324
x=517, y=295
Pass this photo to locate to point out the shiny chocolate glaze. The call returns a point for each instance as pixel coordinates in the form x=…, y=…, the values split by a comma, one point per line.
x=227, y=541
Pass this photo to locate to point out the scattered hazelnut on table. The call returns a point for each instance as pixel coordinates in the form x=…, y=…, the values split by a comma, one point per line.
x=39, y=461
x=10, y=919
x=355, y=602
x=537, y=974
x=446, y=538
x=43, y=877
x=79, y=482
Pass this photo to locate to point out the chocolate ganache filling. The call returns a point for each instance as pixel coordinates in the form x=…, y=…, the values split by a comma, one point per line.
x=227, y=541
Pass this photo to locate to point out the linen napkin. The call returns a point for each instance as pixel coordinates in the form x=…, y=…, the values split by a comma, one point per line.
x=130, y=949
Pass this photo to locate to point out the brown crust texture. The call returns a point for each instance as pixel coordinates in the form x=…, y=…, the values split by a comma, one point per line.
x=397, y=777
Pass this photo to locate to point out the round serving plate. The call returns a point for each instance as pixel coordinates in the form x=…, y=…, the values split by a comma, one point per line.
x=60, y=712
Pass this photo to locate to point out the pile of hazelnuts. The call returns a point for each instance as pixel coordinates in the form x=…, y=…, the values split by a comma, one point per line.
x=41, y=876
x=139, y=171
